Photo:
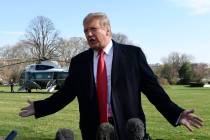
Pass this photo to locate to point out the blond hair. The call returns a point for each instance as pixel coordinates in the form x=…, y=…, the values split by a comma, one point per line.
x=104, y=20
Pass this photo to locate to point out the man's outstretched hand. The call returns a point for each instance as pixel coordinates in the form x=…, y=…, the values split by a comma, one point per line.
x=28, y=110
x=190, y=120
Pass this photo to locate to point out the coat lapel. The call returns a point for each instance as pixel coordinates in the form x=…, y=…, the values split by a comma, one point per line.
x=91, y=75
x=115, y=64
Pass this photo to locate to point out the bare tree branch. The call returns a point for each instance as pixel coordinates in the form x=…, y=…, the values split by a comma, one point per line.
x=42, y=37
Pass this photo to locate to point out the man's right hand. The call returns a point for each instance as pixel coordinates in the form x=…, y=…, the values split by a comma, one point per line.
x=27, y=111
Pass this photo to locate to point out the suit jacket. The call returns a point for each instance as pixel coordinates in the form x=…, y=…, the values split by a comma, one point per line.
x=130, y=76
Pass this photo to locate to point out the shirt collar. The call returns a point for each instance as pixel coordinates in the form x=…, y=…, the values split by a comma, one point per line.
x=107, y=49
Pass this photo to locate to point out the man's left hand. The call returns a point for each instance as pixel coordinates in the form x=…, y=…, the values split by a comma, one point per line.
x=190, y=120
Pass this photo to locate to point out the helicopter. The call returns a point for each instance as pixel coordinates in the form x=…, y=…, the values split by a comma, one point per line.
x=45, y=75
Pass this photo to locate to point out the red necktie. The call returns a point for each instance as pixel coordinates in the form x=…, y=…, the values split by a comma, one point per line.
x=102, y=88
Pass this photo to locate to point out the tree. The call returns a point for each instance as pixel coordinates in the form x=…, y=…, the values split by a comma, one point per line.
x=11, y=55
x=172, y=65
x=42, y=37
x=208, y=75
x=186, y=73
x=17, y=51
x=167, y=72
x=200, y=71
x=177, y=60
x=121, y=38
x=71, y=47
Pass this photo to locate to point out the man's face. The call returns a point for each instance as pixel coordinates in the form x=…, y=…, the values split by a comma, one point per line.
x=98, y=37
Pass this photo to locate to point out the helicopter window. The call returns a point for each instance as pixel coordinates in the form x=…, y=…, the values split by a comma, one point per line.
x=43, y=75
x=43, y=67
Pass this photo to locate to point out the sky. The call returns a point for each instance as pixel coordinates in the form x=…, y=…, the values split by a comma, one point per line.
x=159, y=27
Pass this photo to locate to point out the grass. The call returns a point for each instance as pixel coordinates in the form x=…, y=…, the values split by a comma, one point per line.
x=30, y=128
x=186, y=97
x=46, y=127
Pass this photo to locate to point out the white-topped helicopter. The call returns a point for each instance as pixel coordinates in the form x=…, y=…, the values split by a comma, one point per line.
x=46, y=75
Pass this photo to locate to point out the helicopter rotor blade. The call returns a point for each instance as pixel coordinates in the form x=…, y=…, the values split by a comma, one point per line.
x=27, y=61
x=30, y=60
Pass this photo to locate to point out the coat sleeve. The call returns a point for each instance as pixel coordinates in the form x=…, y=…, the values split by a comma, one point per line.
x=61, y=98
x=156, y=94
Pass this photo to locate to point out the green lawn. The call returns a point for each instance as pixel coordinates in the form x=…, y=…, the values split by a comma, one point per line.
x=45, y=128
x=186, y=97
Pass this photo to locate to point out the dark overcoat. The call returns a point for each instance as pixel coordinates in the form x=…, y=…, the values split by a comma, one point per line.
x=130, y=76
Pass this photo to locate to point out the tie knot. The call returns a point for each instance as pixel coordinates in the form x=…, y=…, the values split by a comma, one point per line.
x=101, y=52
